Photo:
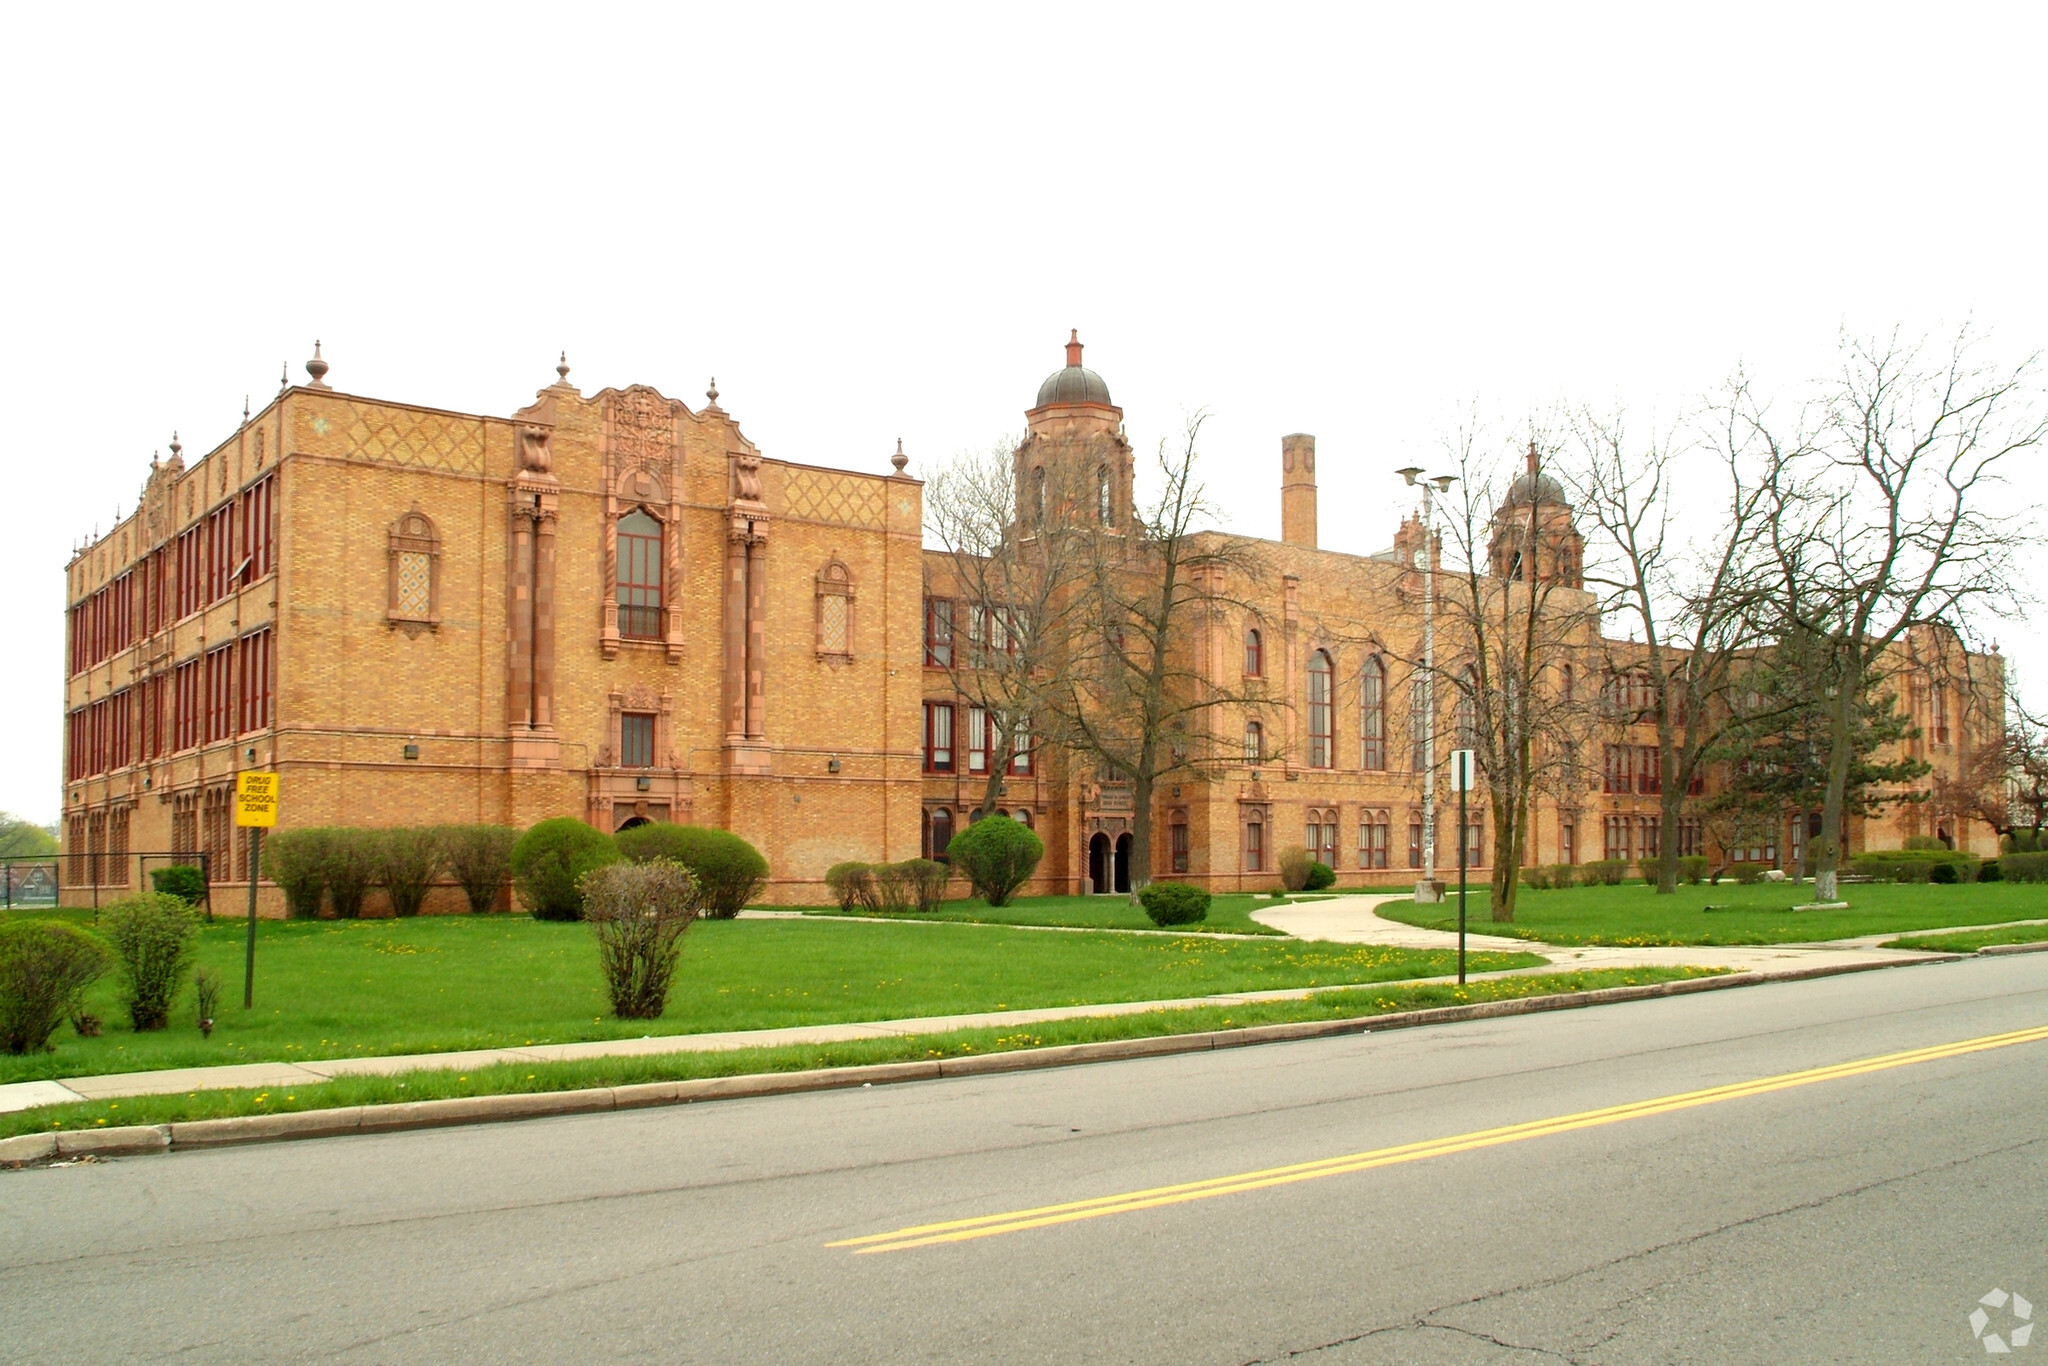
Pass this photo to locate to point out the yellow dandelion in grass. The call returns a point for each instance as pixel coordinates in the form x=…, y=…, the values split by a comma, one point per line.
x=100, y=1121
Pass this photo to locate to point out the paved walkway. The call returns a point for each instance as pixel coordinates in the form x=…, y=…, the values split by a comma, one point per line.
x=1340, y=920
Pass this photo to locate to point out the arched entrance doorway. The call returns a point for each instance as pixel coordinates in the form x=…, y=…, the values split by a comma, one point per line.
x=1100, y=860
x=1123, y=862
x=632, y=821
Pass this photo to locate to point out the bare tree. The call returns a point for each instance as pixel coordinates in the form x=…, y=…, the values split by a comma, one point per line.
x=1695, y=601
x=1136, y=698
x=1513, y=620
x=1878, y=516
x=1013, y=579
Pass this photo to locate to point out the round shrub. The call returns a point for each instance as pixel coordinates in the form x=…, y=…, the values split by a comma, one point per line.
x=1294, y=861
x=45, y=966
x=551, y=858
x=184, y=881
x=730, y=872
x=1174, y=903
x=296, y=860
x=1944, y=873
x=153, y=937
x=997, y=856
x=1320, y=876
x=1692, y=867
x=639, y=911
x=852, y=885
x=1989, y=871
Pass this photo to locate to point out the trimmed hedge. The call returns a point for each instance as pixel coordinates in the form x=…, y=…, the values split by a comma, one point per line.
x=1915, y=865
x=730, y=872
x=480, y=858
x=852, y=885
x=549, y=862
x=296, y=860
x=1174, y=903
x=409, y=858
x=1606, y=872
x=997, y=855
x=184, y=881
x=2024, y=867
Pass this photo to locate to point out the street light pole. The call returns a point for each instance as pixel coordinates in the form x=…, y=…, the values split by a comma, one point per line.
x=1425, y=890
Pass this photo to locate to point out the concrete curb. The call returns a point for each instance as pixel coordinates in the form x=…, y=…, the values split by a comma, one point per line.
x=32, y=1149
x=2015, y=948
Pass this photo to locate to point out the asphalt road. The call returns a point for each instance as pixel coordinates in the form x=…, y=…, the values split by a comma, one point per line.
x=1854, y=1218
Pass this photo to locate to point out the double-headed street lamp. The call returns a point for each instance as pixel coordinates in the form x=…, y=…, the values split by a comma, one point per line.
x=1431, y=485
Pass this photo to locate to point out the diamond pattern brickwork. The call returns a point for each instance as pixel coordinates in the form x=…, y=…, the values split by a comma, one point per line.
x=827, y=496
x=399, y=436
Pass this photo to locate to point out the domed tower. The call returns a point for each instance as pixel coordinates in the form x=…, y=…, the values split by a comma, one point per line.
x=1534, y=538
x=1074, y=464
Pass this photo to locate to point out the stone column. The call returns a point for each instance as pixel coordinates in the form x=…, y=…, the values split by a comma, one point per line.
x=544, y=618
x=519, y=604
x=757, y=637
x=736, y=633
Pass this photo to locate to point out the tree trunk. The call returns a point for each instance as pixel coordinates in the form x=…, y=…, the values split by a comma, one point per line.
x=1669, y=805
x=1141, y=834
x=1828, y=849
x=1502, y=882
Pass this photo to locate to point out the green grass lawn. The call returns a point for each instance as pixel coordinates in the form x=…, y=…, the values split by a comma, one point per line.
x=1228, y=913
x=1972, y=940
x=569, y=1076
x=329, y=989
x=1760, y=913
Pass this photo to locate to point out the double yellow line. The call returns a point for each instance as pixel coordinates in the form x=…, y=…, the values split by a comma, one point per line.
x=1044, y=1216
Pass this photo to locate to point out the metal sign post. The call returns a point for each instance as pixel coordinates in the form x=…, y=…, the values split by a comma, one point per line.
x=1463, y=770
x=256, y=808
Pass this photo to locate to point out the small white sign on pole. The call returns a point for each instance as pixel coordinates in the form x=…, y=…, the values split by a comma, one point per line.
x=1464, y=771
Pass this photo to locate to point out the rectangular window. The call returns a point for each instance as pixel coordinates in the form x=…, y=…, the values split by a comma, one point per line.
x=1938, y=708
x=1372, y=840
x=1567, y=838
x=636, y=739
x=220, y=693
x=185, y=705
x=1020, y=746
x=977, y=740
x=121, y=614
x=1649, y=770
x=1650, y=831
x=259, y=541
x=1254, y=847
x=220, y=552
x=191, y=570
x=1177, y=839
x=1415, y=842
x=256, y=681
x=938, y=737
x=1475, y=839
x=120, y=728
x=938, y=633
x=1617, y=838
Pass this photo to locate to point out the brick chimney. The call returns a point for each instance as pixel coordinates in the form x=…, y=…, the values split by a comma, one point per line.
x=1298, y=489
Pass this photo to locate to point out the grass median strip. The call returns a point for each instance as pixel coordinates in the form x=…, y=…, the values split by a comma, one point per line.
x=518, y=1078
x=1969, y=941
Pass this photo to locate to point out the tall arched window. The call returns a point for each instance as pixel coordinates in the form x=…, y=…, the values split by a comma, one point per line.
x=1254, y=653
x=639, y=576
x=1321, y=715
x=1038, y=493
x=1564, y=684
x=1254, y=742
x=1372, y=714
x=1102, y=496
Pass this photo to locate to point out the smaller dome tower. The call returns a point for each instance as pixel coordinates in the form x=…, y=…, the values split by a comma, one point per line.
x=1534, y=538
x=1074, y=465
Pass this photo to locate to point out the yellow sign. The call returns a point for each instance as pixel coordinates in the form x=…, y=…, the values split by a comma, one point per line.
x=256, y=799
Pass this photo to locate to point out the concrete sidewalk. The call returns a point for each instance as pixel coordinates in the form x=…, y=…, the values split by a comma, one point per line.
x=1343, y=920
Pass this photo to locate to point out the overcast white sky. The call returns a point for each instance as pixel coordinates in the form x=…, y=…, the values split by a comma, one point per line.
x=872, y=222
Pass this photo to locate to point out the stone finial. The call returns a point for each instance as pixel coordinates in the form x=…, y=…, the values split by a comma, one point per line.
x=1073, y=346
x=1532, y=455
x=284, y=376
x=317, y=368
x=711, y=394
x=176, y=449
x=899, y=460
x=562, y=369
x=245, y=410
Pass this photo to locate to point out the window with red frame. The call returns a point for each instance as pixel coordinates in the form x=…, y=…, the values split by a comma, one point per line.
x=639, y=576
x=185, y=705
x=1020, y=746
x=938, y=633
x=220, y=693
x=1649, y=769
x=938, y=737
x=220, y=553
x=1255, y=846
x=1321, y=714
x=1373, y=832
x=256, y=680
x=1177, y=842
x=191, y=572
x=1254, y=653
x=977, y=740
x=259, y=536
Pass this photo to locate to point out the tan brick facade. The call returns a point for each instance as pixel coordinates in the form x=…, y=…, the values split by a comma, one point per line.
x=614, y=606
